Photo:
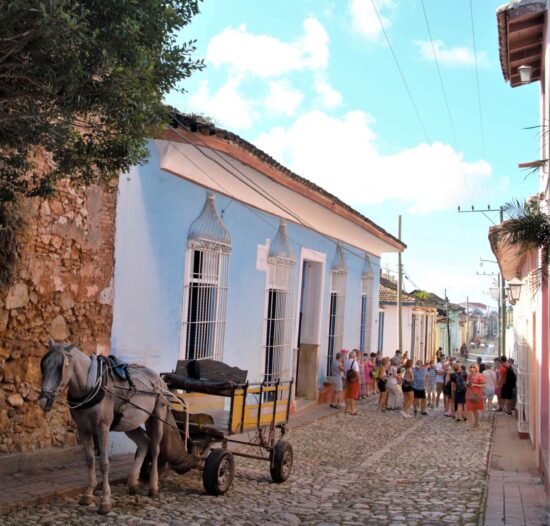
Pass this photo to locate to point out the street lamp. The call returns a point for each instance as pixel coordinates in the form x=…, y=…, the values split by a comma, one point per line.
x=525, y=73
x=495, y=291
x=514, y=290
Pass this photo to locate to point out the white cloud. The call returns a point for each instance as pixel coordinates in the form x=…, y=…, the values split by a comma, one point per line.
x=226, y=105
x=364, y=19
x=453, y=56
x=283, y=98
x=342, y=156
x=267, y=56
x=329, y=97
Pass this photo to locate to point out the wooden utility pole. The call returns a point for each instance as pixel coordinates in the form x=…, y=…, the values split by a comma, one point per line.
x=502, y=300
x=467, y=324
x=399, y=292
x=448, y=325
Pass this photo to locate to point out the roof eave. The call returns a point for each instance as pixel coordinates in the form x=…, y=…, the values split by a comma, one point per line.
x=528, y=18
x=219, y=139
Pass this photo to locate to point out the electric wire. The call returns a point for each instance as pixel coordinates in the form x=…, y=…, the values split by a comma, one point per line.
x=480, y=110
x=250, y=185
x=411, y=98
x=445, y=97
x=405, y=83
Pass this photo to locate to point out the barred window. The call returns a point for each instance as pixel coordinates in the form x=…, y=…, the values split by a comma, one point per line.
x=381, y=332
x=366, y=314
x=205, y=295
x=280, y=317
x=338, y=277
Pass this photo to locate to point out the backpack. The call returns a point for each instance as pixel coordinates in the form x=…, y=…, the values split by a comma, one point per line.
x=376, y=374
x=460, y=383
x=351, y=375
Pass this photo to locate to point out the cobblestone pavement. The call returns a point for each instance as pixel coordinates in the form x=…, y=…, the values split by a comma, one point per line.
x=375, y=468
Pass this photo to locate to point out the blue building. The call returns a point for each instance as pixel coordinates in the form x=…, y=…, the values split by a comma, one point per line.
x=221, y=252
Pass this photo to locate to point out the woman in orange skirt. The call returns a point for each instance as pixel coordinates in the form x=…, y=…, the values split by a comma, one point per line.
x=474, y=395
x=351, y=369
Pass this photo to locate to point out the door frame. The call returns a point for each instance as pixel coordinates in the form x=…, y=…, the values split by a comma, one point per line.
x=309, y=255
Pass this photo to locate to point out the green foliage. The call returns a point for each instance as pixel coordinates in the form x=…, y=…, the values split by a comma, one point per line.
x=10, y=223
x=83, y=83
x=529, y=227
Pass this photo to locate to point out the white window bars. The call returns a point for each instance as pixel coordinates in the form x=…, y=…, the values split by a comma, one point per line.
x=279, y=314
x=338, y=277
x=205, y=293
x=523, y=384
x=367, y=278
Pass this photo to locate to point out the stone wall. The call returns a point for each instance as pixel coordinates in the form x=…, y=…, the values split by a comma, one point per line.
x=63, y=289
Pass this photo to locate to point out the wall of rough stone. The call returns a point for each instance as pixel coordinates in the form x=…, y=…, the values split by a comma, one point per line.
x=63, y=289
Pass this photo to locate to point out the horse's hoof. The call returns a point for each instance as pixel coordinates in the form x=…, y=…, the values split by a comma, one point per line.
x=153, y=493
x=104, y=508
x=86, y=500
x=132, y=490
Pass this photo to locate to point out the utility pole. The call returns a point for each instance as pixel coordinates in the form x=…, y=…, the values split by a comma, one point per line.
x=399, y=292
x=448, y=325
x=468, y=324
x=501, y=282
x=503, y=299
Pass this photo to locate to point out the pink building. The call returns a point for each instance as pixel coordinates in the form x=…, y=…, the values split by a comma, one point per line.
x=524, y=58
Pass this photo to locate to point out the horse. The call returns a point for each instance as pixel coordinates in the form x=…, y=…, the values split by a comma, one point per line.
x=100, y=402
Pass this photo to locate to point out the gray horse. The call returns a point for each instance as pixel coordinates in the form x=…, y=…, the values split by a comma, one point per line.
x=108, y=404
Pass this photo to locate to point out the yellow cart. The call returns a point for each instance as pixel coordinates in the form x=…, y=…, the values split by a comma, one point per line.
x=253, y=415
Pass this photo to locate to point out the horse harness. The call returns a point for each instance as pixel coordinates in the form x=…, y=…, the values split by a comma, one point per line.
x=106, y=365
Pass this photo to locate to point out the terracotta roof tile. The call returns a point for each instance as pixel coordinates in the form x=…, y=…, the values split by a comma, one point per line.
x=199, y=124
x=388, y=294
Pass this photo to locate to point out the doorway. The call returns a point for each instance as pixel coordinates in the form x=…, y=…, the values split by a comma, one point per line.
x=309, y=327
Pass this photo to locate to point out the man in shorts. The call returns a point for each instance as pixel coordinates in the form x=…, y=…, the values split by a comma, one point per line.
x=439, y=380
x=430, y=384
x=419, y=388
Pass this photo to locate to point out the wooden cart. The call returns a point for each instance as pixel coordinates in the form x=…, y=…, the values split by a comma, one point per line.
x=253, y=415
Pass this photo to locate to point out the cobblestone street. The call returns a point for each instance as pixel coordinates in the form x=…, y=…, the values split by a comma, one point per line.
x=376, y=468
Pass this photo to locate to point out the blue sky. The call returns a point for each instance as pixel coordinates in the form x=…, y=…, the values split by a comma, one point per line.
x=314, y=84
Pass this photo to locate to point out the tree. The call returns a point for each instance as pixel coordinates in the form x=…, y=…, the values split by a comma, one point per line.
x=529, y=227
x=82, y=84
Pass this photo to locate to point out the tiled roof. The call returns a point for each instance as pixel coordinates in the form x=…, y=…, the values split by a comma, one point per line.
x=198, y=124
x=388, y=294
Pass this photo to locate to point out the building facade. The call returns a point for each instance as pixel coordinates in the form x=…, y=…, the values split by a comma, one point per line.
x=223, y=253
x=525, y=57
x=418, y=324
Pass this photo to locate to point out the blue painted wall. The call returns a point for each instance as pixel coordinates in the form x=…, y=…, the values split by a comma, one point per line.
x=154, y=212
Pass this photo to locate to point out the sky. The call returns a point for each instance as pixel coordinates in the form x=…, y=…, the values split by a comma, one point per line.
x=314, y=83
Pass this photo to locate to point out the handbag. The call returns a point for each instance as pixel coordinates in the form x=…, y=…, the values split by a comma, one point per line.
x=472, y=397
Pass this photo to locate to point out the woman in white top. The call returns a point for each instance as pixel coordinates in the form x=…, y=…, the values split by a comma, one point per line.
x=394, y=394
x=489, y=389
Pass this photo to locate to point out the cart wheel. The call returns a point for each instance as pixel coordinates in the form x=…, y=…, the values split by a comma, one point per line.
x=281, y=461
x=218, y=472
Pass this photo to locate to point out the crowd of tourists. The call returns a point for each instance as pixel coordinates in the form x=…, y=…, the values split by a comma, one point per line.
x=464, y=391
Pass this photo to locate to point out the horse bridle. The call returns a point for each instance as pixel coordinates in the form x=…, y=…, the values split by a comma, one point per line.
x=49, y=396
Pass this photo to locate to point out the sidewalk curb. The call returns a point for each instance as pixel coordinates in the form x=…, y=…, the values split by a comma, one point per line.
x=483, y=503
x=34, y=498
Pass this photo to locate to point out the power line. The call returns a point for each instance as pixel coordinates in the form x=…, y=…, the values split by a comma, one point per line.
x=445, y=98
x=411, y=98
x=251, y=185
x=401, y=72
x=449, y=115
x=481, y=127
